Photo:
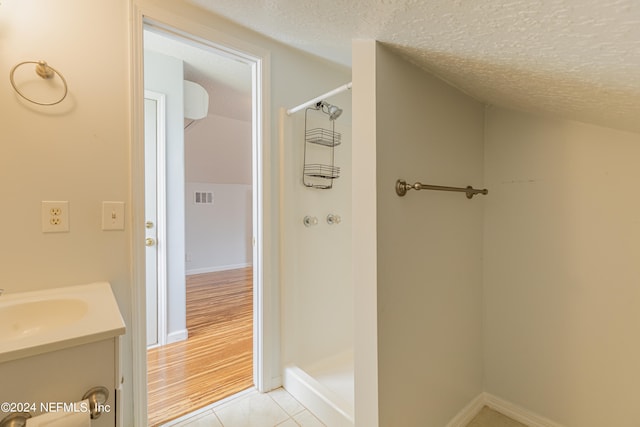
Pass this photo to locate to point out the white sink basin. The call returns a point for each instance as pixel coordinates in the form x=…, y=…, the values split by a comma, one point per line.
x=41, y=321
x=30, y=318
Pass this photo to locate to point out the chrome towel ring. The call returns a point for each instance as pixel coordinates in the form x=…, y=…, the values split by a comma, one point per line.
x=45, y=71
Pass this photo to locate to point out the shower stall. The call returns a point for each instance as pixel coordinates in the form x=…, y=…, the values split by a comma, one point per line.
x=317, y=288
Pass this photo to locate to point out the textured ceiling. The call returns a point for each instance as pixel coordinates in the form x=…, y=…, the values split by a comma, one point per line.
x=575, y=58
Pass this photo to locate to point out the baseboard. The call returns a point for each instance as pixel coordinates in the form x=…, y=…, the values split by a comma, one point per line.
x=518, y=413
x=505, y=407
x=217, y=268
x=468, y=413
x=177, y=336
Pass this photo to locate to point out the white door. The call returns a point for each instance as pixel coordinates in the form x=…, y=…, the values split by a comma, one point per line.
x=154, y=179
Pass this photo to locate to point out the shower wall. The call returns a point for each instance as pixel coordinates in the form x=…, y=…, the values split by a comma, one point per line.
x=317, y=308
x=561, y=270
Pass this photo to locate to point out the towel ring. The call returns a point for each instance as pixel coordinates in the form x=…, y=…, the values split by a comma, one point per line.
x=46, y=72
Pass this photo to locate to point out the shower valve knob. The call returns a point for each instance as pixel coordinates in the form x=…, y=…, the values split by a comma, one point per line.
x=333, y=219
x=309, y=221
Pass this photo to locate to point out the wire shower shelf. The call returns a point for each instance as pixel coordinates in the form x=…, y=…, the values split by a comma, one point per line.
x=324, y=137
x=319, y=169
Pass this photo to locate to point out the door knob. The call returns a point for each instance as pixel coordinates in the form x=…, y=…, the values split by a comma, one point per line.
x=149, y=241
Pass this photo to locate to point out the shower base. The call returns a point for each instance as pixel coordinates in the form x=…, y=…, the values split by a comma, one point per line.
x=326, y=388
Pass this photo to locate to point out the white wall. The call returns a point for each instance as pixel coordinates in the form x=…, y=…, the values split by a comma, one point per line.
x=429, y=262
x=219, y=234
x=318, y=289
x=76, y=151
x=218, y=150
x=164, y=74
x=561, y=271
x=218, y=159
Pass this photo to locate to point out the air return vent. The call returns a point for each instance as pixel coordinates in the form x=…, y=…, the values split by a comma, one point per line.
x=203, y=197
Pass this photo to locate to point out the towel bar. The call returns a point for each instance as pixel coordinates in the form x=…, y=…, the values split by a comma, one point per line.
x=402, y=187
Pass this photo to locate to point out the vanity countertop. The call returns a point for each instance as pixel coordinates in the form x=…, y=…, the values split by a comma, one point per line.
x=41, y=321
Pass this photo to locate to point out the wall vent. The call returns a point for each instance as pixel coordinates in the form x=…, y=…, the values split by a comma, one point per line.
x=203, y=197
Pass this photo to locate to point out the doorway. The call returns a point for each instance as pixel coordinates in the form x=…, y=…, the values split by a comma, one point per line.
x=255, y=239
x=204, y=262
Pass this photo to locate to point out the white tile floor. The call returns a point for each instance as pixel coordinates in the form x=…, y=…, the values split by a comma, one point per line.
x=252, y=409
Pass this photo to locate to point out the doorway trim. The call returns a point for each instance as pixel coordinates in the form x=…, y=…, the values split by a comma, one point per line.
x=265, y=320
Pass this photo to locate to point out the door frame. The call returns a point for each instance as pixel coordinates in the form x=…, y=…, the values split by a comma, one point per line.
x=160, y=225
x=265, y=319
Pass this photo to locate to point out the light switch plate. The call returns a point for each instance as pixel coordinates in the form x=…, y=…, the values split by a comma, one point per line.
x=113, y=215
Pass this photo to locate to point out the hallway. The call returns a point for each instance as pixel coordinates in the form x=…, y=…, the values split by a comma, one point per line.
x=216, y=360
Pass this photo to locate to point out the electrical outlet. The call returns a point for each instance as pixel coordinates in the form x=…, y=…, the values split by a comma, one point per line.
x=55, y=217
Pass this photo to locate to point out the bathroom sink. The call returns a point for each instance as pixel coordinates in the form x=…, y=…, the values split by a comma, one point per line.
x=41, y=321
x=23, y=319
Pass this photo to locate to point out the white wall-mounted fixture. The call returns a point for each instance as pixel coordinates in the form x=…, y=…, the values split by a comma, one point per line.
x=196, y=101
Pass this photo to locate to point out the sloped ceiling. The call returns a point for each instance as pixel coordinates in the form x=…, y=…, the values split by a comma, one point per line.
x=579, y=59
x=227, y=82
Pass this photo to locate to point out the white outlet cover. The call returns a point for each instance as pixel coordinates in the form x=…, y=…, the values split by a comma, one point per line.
x=55, y=216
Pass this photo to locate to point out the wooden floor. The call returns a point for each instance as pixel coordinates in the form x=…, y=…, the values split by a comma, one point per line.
x=216, y=360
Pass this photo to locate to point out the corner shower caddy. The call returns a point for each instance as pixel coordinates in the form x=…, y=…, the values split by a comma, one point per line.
x=317, y=173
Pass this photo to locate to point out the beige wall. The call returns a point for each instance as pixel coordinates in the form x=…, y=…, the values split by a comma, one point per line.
x=429, y=246
x=76, y=151
x=364, y=238
x=79, y=151
x=561, y=270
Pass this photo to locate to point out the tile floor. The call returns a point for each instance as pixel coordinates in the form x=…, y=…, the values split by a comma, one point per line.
x=490, y=418
x=252, y=409
x=279, y=409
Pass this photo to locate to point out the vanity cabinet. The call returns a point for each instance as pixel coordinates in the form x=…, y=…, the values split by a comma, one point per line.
x=63, y=376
